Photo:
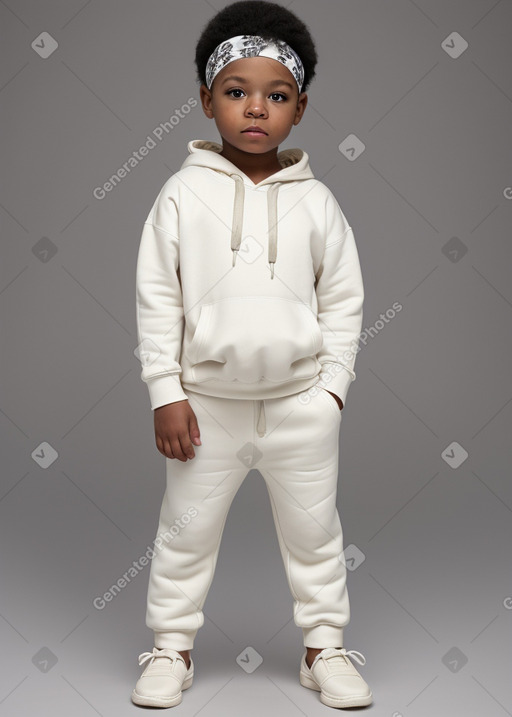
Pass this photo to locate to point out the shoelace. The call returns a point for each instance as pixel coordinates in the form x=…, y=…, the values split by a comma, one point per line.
x=145, y=656
x=330, y=652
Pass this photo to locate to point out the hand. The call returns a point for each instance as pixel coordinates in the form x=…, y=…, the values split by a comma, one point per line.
x=176, y=429
x=338, y=399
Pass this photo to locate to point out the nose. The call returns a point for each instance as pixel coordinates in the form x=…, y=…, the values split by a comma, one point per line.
x=256, y=108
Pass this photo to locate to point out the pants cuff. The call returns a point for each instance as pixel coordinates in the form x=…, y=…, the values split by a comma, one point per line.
x=175, y=640
x=322, y=636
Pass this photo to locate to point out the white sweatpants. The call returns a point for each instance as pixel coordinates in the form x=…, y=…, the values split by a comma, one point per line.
x=294, y=443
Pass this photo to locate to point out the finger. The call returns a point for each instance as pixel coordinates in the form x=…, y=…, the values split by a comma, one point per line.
x=177, y=448
x=168, y=449
x=159, y=444
x=186, y=445
x=195, y=433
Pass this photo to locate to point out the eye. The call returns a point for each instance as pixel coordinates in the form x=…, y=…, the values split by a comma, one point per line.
x=274, y=94
x=234, y=90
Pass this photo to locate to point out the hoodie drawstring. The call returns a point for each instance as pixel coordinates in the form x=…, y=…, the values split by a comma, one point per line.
x=272, y=224
x=238, y=215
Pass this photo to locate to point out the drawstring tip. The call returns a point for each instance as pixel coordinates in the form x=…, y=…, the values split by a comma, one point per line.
x=234, y=256
x=272, y=270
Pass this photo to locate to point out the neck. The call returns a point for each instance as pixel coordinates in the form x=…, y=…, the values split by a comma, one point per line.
x=253, y=165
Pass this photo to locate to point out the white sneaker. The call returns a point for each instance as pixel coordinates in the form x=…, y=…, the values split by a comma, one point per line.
x=335, y=677
x=162, y=681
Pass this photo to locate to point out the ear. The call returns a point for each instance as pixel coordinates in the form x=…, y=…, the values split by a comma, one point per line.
x=206, y=100
x=301, y=107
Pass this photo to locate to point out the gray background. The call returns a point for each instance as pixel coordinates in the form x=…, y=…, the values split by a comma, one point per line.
x=429, y=202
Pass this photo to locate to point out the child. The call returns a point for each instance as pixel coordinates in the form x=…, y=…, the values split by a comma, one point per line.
x=249, y=308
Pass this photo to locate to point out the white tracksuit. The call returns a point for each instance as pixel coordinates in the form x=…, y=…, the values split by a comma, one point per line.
x=249, y=305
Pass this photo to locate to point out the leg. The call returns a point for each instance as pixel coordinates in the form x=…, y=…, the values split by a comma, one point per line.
x=186, y=656
x=195, y=506
x=300, y=467
x=312, y=652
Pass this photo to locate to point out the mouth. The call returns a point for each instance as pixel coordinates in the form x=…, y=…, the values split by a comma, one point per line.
x=254, y=131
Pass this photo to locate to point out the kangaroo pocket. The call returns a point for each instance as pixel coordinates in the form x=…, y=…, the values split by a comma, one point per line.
x=250, y=339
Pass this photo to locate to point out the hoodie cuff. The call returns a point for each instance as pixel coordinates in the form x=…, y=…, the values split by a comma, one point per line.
x=337, y=379
x=165, y=389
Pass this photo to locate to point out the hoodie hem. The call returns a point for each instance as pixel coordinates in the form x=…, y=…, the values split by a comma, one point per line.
x=234, y=389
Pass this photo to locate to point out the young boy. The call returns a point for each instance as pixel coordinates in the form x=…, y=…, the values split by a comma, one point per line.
x=249, y=308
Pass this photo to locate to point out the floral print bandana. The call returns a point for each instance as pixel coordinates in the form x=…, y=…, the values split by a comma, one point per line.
x=253, y=46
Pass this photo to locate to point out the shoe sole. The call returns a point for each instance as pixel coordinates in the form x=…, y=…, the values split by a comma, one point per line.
x=162, y=701
x=354, y=701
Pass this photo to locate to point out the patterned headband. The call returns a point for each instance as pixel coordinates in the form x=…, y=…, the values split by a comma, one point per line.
x=251, y=46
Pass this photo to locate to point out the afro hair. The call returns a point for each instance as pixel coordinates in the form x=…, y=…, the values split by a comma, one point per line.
x=257, y=17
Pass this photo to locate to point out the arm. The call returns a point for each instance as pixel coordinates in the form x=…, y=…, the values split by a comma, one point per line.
x=160, y=316
x=340, y=296
x=160, y=322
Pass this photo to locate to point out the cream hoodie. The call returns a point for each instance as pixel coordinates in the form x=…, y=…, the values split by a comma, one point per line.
x=246, y=290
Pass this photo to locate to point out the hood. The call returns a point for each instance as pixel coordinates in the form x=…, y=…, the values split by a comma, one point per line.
x=295, y=167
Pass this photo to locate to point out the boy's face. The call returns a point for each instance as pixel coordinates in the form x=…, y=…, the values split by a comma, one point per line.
x=256, y=91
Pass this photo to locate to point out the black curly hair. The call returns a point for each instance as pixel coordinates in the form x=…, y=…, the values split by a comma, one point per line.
x=257, y=17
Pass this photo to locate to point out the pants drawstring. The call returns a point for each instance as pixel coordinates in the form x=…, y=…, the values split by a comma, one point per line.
x=261, y=426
